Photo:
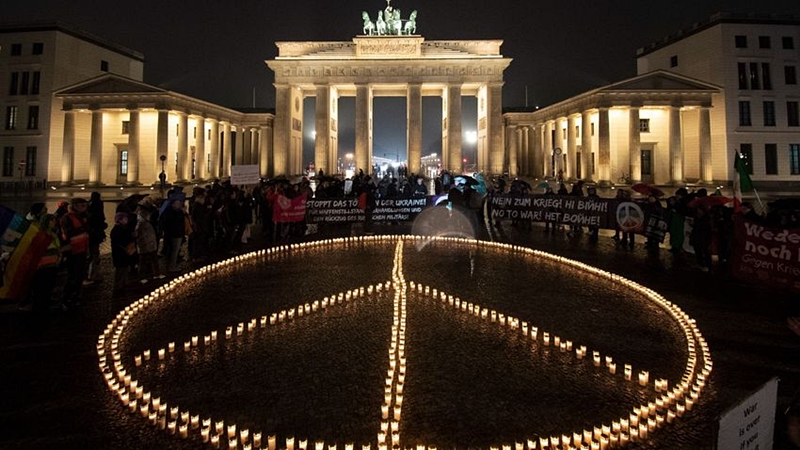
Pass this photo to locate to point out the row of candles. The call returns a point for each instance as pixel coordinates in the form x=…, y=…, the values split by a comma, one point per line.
x=642, y=420
x=389, y=433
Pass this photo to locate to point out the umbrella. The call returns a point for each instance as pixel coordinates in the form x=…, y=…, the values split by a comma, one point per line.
x=785, y=204
x=465, y=179
x=130, y=203
x=709, y=201
x=646, y=189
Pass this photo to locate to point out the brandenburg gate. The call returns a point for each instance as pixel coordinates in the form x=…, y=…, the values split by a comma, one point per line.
x=387, y=64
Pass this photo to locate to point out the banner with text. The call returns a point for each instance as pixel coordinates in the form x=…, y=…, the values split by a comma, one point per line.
x=564, y=210
x=343, y=210
x=768, y=255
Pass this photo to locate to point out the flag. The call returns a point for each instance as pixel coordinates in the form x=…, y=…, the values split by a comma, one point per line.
x=24, y=241
x=289, y=209
x=741, y=181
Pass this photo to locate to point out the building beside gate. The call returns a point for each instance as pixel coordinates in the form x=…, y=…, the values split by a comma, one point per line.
x=724, y=85
x=76, y=110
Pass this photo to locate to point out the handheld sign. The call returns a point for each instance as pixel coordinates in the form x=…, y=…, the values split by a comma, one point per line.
x=245, y=174
x=750, y=425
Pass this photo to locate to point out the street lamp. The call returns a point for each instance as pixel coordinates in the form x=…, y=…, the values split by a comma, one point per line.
x=162, y=177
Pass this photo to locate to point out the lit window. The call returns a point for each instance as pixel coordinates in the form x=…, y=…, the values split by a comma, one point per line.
x=769, y=114
x=754, y=80
x=792, y=114
x=8, y=161
x=30, y=162
x=789, y=74
x=771, y=159
x=744, y=114
x=35, y=80
x=11, y=118
x=126, y=124
x=123, y=162
x=33, y=117
x=13, y=87
x=23, y=84
x=644, y=125
x=766, y=76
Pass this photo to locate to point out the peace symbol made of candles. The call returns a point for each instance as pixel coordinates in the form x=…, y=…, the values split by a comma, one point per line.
x=666, y=401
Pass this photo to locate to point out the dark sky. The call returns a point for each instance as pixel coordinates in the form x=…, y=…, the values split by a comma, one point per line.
x=215, y=50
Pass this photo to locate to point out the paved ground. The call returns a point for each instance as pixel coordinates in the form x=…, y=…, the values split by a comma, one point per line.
x=54, y=397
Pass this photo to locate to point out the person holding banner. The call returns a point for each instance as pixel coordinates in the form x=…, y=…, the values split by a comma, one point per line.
x=75, y=232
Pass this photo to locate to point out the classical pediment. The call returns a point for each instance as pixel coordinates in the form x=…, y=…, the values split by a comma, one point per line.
x=659, y=80
x=110, y=84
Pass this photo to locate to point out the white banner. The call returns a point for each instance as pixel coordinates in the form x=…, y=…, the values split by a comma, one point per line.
x=245, y=174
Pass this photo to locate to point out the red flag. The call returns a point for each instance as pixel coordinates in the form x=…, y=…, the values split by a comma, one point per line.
x=286, y=209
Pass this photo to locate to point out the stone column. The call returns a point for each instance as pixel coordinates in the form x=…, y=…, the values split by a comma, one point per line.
x=254, y=140
x=604, y=150
x=414, y=127
x=513, y=144
x=227, y=148
x=322, y=126
x=200, y=154
x=675, y=147
x=96, y=148
x=704, y=124
x=634, y=169
x=525, y=136
x=282, y=128
x=238, y=154
x=549, y=170
x=363, y=119
x=537, y=161
x=68, y=149
x=454, y=128
x=133, y=147
x=264, y=151
x=495, y=129
x=213, y=148
x=184, y=162
x=162, y=142
x=586, y=146
x=572, y=148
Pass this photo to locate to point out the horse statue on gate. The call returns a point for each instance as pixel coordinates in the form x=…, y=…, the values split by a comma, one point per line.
x=411, y=24
x=396, y=24
x=380, y=24
x=369, y=26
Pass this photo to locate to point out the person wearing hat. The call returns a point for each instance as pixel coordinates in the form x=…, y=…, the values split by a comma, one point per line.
x=75, y=233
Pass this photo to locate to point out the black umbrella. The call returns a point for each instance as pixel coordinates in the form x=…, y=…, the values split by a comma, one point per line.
x=465, y=179
x=786, y=203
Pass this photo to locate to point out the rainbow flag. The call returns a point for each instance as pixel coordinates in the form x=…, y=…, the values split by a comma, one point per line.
x=26, y=244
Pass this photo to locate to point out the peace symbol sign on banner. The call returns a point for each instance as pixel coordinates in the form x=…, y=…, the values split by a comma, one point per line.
x=629, y=216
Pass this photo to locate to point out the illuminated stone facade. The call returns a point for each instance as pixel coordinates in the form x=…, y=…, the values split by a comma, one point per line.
x=654, y=128
x=390, y=66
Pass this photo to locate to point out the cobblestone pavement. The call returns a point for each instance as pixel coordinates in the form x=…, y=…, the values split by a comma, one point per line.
x=54, y=397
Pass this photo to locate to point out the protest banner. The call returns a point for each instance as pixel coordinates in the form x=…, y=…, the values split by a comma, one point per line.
x=557, y=209
x=245, y=174
x=766, y=254
x=342, y=210
x=289, y=209
x=750, y=424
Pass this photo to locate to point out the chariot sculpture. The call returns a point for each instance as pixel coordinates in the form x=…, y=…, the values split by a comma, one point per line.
x=389, y=23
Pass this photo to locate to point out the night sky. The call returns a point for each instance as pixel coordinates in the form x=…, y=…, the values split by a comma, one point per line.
x=215, y=50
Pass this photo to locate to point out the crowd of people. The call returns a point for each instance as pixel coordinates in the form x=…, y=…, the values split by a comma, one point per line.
x=148, y=234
